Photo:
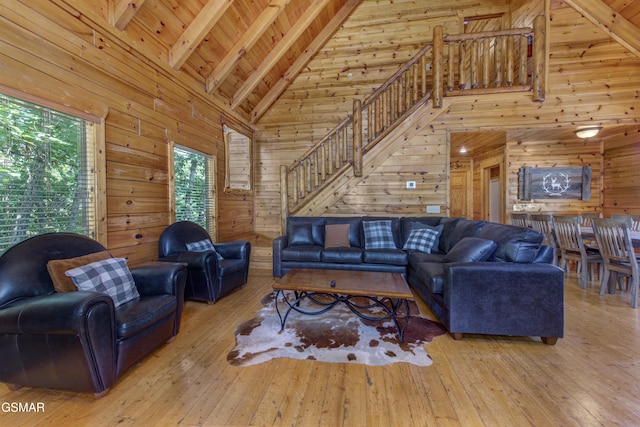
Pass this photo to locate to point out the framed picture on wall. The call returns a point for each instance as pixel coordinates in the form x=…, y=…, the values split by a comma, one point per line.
x=554, y=183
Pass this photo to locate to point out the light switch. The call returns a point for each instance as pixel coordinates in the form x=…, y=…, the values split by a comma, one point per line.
x=411, y=185
x=433, y=209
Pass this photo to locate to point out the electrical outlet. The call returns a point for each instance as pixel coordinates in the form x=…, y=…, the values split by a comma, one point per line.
x=433, y=209
x=411, y=185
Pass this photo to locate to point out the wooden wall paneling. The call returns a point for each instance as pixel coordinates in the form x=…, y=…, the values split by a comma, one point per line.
x=621, y=174
x=132, y=238
x=35, y=81
x=77, y=65
x=137, y=254
x=51, y=50
x=423, y=159
x=569, y=151
x=125, y=154
x=64, y=56
x=129, y=188
x=129, y=221
x=524, y=11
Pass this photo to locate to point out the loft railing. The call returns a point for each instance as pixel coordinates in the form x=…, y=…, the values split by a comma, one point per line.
x=489, y=62
x=465, y=64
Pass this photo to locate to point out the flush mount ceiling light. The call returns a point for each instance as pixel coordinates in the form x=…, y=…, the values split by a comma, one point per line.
x=463, y=149
x=587, y=132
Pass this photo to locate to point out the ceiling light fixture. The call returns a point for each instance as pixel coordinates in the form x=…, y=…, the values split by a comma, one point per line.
x=587, y=132
x=463, y=150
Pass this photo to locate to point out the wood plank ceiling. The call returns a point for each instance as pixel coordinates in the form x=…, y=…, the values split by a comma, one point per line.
x=244, y=53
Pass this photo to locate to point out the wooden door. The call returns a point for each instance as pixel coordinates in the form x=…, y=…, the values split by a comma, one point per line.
x=461, y=193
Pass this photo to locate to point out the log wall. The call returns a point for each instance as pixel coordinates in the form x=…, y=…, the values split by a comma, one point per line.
x=621, y=175
x=57, y=54
x=422, y=159
x=591, y=80
x=553, y=149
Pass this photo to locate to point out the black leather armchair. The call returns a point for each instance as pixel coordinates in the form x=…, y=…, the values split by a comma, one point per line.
x=209, y=278
x=79, y=341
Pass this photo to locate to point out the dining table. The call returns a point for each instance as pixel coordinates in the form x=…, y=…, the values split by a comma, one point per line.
x=588, y=234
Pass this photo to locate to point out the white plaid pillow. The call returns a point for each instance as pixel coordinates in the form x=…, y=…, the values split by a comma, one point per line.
x=421, y=239
x=110, y=276
x=378, y=235
x=202, y=246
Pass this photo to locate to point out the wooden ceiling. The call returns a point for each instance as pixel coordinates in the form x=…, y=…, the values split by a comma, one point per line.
x=243, y=52
x=246, y=52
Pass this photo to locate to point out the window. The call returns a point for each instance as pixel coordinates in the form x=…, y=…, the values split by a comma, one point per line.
x=47, y=172
x=238, y=160
x=194, y=188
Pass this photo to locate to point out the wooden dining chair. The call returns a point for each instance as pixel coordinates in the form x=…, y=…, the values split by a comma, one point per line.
x=572, y=248
x=618, y=255
x=587, y=218
x=521, y=220
x=544, y=224
x=635, y=220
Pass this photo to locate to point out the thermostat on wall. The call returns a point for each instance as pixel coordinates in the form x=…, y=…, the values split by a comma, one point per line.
x=411, y=185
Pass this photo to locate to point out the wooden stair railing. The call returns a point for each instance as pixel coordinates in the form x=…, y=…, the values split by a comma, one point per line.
x=464, y=64
x=490, y=62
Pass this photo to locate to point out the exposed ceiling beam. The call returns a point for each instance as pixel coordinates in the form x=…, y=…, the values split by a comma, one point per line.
x=279, y=51
x=197, y=31
x=303, y=59
x=123, y=12
x=610, y=21
x=245, y=43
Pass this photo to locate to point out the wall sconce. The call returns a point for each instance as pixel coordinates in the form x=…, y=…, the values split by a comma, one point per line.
x=587, y=132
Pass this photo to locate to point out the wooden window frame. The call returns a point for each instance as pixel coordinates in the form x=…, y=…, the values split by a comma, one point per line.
x=229, y=186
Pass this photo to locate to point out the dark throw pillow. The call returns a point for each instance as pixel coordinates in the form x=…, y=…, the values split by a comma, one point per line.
x=301, y=236
x=336, y=236
x=471, y=249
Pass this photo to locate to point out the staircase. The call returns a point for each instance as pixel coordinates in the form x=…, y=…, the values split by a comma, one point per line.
x=464, y=64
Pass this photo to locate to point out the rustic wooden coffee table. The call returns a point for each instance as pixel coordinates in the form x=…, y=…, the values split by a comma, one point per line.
x=327, y=288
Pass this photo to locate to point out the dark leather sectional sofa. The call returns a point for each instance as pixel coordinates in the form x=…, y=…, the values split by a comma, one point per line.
x=478, y=278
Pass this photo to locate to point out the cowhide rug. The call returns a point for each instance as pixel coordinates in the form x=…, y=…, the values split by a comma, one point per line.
x=337, y=336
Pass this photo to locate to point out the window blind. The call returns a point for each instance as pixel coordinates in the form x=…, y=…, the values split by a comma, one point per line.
x=46, y=178
x=194, y=187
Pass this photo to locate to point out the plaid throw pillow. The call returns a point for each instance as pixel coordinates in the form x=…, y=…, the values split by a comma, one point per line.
x=422, y=240
x=378, y=235
x=110, y=276
x=202, y=246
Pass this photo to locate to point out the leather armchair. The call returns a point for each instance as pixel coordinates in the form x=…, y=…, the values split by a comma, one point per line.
x=209, y=278
x=79, y=340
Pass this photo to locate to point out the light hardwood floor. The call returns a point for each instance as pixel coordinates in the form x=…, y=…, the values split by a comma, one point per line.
x=590, y=377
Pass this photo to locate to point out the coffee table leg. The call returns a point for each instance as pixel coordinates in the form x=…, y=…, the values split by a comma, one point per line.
x=295, y=304
x=406, y=319
x=292, y=305
x=392, y=311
